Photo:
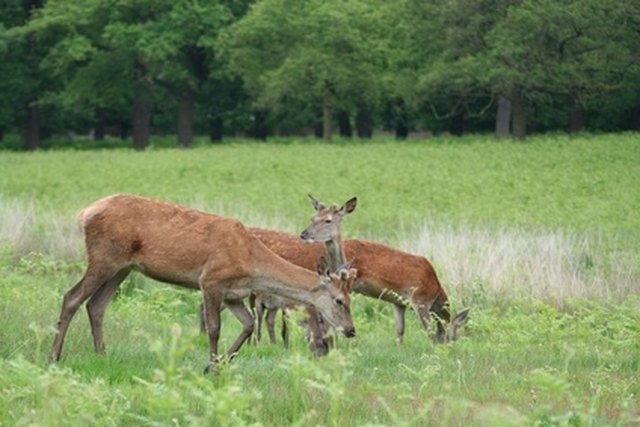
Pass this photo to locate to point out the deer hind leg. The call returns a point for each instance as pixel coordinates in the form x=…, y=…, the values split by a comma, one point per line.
x=97, y=305
x=240, y=311
x=93, y=279
x=203, y=323
x=398, y=315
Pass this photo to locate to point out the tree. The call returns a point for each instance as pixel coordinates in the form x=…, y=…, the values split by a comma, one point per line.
x=109, y=54
x=574, y=49
x=21, y=81
x=315, y=52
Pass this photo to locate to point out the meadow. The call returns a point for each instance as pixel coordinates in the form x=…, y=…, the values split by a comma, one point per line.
x=538, y=238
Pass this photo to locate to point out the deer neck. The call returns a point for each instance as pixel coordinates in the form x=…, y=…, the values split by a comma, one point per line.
x=335, y=253
x=277, y=276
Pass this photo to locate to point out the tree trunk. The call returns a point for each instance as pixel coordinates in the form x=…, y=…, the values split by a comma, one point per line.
x=344, y=124
x=32, y=132
x=326, y=117
x=402, y=121
x=503, y=117
x=634, y=118
x=141, y=118
x=216, y=129
x=99, y=131
x=456, y=126
x=576, y=115
x=364, y=128
x=185, y=117
x=123, y=129
x=518, y=119
x=260, y=129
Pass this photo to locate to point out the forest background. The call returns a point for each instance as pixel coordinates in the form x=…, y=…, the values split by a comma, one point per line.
x=281, y=67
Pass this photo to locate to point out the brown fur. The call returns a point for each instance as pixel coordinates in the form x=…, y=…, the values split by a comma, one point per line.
x=178, y=245
x=383, y=272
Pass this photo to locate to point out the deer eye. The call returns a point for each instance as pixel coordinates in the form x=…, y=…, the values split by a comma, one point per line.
x=339, y=301
x=327, y=221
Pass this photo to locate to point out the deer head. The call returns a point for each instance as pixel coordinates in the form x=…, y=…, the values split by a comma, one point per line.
x=325, y=224
x=335, y=304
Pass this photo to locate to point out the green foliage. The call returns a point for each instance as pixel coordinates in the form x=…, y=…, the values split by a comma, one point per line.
x=301, y=51
x=519, y=361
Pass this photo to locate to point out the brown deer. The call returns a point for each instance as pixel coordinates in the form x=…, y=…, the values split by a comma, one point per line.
x=334, y=258
x=189, y=248
x=383, y=272
x=315, y=327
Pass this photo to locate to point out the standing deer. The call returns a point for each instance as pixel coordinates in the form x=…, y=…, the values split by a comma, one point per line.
x=189, y=248
x=383, y=272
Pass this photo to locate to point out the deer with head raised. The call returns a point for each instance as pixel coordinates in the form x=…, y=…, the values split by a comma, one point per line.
x=189, y=248
x=383, y=272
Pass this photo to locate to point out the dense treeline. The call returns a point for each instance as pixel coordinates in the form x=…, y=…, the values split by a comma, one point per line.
x=281, y=67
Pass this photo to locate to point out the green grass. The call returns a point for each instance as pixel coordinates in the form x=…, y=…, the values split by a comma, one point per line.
x=540, y=239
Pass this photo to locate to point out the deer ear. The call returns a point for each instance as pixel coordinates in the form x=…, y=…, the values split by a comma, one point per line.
x=345, y=266
x=460, y=318
x=317, y=204
x=350, y=205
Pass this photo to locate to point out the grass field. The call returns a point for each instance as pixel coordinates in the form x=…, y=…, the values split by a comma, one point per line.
x=539, y=239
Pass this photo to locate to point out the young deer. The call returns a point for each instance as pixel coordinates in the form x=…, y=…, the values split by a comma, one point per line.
x=189, y=248
x=315, y=327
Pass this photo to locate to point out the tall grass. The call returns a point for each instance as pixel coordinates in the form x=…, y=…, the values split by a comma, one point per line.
x=540, y=239
x=555, y=265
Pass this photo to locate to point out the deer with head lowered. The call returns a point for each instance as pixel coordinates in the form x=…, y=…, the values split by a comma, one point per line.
x=189, y=248
x=384, y=273
x=315, y=327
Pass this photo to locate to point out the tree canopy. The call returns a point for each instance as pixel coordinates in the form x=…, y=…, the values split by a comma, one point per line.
x=282, y=66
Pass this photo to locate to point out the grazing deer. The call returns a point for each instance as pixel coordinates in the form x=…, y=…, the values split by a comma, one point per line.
x=315, y=327
x=189, y=248
x=383, y=272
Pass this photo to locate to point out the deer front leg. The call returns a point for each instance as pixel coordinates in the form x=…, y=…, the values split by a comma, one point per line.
x=212, y=308
x=398, y=315
x=271, y=323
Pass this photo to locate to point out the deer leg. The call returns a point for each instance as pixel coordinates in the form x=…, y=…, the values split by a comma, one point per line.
x=97, y=305
x=203, y=323
x=259, y=317
x=271, y=323
x=317, y=332
x=212, y=308
x=423, y=311
x=240, y=311
x=398, y=316
x=285, y=328
x=440, y=309
x=93, y=278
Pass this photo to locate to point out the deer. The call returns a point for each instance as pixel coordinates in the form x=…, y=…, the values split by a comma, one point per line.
x=218, y=255
x=384, y=273
x=315, y=327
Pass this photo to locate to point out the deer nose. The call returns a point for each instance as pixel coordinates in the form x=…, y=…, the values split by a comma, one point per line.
x=349, y=332
x=303, y=235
